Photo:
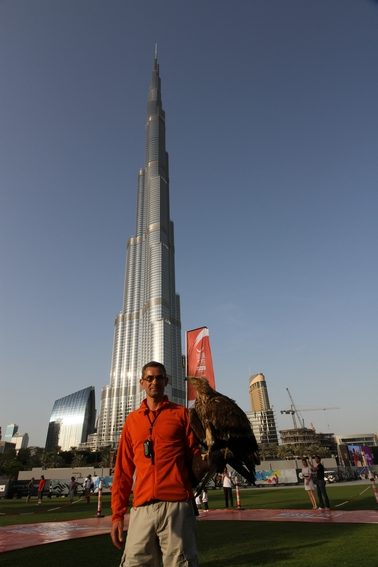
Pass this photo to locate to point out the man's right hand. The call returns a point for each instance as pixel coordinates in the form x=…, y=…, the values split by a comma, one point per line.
x=117, y=533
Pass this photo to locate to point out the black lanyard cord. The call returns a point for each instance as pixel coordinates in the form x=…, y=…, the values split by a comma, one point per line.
x=152, y=422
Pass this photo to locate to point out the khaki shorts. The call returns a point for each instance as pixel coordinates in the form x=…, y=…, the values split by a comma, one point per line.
x=161, y=534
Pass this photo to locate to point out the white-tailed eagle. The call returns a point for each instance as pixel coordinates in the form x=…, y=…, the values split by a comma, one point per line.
x=224, y=431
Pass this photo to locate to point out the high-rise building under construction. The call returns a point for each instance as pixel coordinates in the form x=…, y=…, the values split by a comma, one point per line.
x=261, y=416
x=148, y=326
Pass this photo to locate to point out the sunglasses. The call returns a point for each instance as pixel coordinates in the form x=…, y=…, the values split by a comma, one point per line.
x=150, y=379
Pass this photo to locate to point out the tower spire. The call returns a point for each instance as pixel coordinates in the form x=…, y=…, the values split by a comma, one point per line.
x=156, y=51
x=148, y=326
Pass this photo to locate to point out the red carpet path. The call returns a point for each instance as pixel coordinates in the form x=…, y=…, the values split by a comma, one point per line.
x=27, y=535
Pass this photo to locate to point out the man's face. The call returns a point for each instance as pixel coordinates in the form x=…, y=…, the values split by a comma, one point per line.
x=154, y=382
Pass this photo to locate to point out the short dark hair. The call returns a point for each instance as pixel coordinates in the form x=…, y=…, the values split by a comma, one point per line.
x=154, y=364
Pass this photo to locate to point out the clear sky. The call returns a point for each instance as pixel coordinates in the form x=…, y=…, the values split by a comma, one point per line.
x=272, y=133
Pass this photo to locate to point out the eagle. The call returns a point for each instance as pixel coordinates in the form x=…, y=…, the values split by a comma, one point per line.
x=224, y=431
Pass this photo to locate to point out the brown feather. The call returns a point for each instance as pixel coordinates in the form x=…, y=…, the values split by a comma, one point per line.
x=223, y=427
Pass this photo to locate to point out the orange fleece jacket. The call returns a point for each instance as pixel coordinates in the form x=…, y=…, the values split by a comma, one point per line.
x=166, y=476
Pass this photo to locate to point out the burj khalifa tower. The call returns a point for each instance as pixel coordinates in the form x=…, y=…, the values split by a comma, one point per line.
x=148, y=326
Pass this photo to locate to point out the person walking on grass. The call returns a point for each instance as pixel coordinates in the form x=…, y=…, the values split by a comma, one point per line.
x=41, y=486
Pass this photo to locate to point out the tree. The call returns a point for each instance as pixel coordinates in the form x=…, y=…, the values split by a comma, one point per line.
x=52, y=459
x=268, y=451
x=9, y=465
x=24, y=458
x=79, y=459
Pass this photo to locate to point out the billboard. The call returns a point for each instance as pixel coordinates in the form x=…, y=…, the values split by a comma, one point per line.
x=360, y=455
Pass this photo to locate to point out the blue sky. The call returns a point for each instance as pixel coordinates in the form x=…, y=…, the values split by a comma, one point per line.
x=272, y=132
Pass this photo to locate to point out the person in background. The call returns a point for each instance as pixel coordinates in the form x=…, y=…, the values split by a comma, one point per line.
x=50, y=494
x=155, y=459
x=227, y=489
x=30, y=489
x=308, y=482
x=202, y=501
x=88, y=487
x=198, y=501
x=321, y=484
x=205, y=500
x=72, y=488
x=41, y=486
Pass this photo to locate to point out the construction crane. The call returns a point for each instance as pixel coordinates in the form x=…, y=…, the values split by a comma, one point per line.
x=293, y=411
x=316, y=409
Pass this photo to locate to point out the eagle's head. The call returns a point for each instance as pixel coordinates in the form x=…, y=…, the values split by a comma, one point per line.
x=201, y=384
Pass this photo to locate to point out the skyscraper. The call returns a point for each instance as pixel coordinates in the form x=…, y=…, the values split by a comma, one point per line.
x=10, y=430
x=148, y=326
x=262, y=416
x=72, y=420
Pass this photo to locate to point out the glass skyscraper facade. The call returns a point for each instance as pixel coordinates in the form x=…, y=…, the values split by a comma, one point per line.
x=10, y=431
x=72, y=420
x=148, y=326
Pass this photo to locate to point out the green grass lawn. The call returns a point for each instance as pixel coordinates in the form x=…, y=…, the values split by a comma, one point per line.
x=229, y=544
x=351, y=496
x=221, y=543
x=51, y=510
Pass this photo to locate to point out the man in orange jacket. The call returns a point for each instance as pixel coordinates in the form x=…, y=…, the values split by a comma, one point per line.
x=154, y=461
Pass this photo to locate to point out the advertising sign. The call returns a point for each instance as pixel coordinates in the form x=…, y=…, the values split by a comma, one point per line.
x=199, y=361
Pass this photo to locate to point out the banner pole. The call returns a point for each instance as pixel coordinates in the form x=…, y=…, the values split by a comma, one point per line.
x=186, y=370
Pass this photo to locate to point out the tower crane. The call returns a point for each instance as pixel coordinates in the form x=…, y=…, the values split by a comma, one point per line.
x=293, y=411
x=317, y=409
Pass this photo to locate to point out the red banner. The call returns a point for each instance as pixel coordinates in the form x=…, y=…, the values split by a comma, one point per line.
x=199, y=361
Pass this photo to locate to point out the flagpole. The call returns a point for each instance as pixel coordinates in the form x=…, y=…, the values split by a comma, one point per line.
x=186, y=368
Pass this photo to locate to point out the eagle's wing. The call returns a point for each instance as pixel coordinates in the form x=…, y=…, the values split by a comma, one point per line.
x=225, y=416
x=228, y=435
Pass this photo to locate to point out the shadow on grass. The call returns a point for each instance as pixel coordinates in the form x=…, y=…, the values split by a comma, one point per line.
x=98, y=550
x=245, y=544
x=85, y=552
x=274, y=544
x=228, y=544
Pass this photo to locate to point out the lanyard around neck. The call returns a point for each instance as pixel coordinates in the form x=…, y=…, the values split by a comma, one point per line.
x=152, y=422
